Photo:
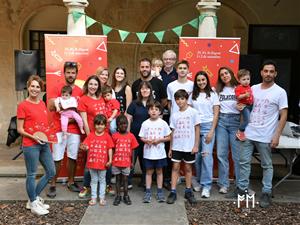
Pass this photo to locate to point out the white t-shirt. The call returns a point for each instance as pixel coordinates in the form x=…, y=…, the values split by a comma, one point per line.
x=153, y=130
x=67, y=103
x=228, y=101
x=175, y=86
x=204, y=105
x=183, y=125
x=265, y=113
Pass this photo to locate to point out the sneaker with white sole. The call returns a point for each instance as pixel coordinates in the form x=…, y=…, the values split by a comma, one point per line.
x=205, y=193
x=41, y=202
x=223, y=190
x=37, y=209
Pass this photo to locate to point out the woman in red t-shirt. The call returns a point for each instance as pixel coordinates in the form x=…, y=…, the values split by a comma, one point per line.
x=32, y=117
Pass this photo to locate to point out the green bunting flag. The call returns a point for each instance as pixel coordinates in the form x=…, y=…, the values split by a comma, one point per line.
x=177, y=30
x=159, y=35
x=194, y=23
x=89, y=21
x=123, y=34
x=76, y=16
x=141, y=36
x=106, y=29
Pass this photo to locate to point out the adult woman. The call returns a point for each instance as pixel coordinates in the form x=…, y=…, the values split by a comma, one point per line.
x=206, y=102
x=229, y=120
x=121, y=88
x=137, y=113
x=90, y=105
x=31, y=118
x=103, y=75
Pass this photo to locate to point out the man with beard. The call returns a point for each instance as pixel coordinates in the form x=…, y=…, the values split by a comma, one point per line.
x=71, y=143
x=263, y=130
x=159, y=92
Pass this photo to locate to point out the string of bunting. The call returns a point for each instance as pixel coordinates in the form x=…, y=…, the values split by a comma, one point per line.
x=142, y=35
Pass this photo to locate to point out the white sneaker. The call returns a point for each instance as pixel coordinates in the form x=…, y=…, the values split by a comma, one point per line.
x=205, y=193
x=37, y=209
x=41, y=202
x=196, y=186
x=223, y=190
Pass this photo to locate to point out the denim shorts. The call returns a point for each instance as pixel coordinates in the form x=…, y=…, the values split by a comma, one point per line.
x=155, y=163
x=120, y=170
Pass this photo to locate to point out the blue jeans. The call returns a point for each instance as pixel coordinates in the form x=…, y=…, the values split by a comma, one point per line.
x=204, y=158
x=32, y=155
x=98, y=176
x=225, y=134
x=265, y=153
x=246, y=116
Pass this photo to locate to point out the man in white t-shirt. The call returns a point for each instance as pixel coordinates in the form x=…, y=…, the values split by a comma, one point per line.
x=263, y=130
x=181, y=83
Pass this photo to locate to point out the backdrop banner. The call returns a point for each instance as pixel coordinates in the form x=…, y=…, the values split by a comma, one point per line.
x=209, y=54
x=89, y=52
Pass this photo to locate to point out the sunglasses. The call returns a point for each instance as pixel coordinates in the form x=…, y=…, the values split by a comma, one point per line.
x=70, y=64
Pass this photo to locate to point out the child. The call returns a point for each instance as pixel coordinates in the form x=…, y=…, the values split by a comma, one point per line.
x=112, y=108
x=184, y=144
x=99, y=145
x=156, y=67
x=244, y=96
x=125, y=143
x=154, y=132
x=66, y=105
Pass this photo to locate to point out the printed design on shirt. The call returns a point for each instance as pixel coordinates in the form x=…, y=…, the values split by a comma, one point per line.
x=183, y=128
x=98, y=152
x=153, y=133
x=227, y=97
x=121, y=100
x=259, y=113
x=99, y=108
x=123, y=150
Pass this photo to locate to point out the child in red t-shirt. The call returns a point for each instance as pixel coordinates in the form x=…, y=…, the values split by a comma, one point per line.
x=244, y=96
x=112, y=108
x=99, y=145
x=125, y=143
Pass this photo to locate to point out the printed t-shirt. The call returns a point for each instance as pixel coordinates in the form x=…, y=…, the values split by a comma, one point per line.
x=112, y=105
x=240, y=89
x=228, y=101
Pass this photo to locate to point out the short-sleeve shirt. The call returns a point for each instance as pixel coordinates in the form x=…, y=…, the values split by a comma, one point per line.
x=139, y=114
x=168, y=78
x=124, y=146
x=265, y=112
x=183, y=124
x=35, y=118
x=228, y=101
x=204, y=105
x=67, y=103
x=112, y=105
x=98, y=147
x=239, y=90
x=56, y=124
x=92, y=107
x=154, y=130
x=159, y=92
x=121, y=97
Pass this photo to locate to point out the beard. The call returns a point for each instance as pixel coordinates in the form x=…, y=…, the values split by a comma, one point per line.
x=145, y=74
x=70, y=80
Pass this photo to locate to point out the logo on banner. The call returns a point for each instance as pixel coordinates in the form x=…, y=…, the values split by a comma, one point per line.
x=102, y=47
x=235, y=49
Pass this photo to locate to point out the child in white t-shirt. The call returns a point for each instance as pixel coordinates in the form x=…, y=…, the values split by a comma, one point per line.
x=156, y=67
x=66, y=105
x=154, y=132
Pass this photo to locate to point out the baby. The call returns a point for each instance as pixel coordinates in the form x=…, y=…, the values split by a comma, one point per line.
x=156, y=67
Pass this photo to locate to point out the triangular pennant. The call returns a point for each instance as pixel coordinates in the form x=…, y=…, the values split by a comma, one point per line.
x=76, y=16
x=177, y=30
x=194, y=23
x=202, y=17
x=141, y=36
x=159, y=35
x=89, y=21
x=123, y=34
x=106, y=29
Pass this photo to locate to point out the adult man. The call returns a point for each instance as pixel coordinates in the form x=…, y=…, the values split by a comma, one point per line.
x=159, y=92
x=181, y=83
x=263, y=130
x=168, y=72
x=71, y=143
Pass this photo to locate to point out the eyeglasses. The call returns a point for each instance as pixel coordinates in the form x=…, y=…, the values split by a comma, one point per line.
x=170, y=59
x=70, y=64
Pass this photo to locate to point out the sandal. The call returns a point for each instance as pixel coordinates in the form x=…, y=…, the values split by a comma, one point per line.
x=102, y=202
x=92, y=202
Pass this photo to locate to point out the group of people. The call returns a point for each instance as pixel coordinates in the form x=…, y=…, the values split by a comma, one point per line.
x=162, y=119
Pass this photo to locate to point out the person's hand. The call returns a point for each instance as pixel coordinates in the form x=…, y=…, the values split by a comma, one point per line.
x=108, y=164
x=209, y=137
x=275, y=141
x=83, y=147
x=39, y=140
x=240, y=106
x=155, y=141
x=109, y=120
x=170, y=154
x=195, y=150
x=247, y=94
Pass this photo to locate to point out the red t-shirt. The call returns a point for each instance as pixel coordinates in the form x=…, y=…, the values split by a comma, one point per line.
x=35, y=119
x=240, y=89
x=55, y=116
x=112, y=105
x=92, y=107
x=124, y=146
x=98, y=147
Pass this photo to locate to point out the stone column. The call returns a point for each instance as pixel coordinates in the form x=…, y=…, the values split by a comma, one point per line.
x=77, y=28
x=207, y=9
